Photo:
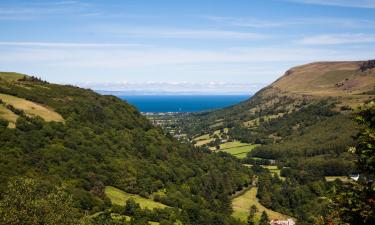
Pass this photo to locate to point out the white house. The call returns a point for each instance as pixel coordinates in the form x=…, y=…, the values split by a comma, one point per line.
x=283, y=222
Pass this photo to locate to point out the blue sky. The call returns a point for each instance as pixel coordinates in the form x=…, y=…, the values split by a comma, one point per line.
x=197, y=46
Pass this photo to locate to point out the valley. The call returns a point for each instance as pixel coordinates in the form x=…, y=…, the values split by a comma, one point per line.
x=197, y=112
x=281, y=152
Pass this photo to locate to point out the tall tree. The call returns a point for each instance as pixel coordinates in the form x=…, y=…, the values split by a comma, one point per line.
x=251, y=217
x=355, y=202
x=264, y=220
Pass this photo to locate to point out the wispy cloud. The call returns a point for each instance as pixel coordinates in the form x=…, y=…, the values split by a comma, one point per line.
x=71, y=55
x=181, y=33
x=35, y=10
x=337, y=39
x=341, y=3
x=67, y=44
x=321, y=21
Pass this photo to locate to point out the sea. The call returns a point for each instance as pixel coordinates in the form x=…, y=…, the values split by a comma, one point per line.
x=182, y=103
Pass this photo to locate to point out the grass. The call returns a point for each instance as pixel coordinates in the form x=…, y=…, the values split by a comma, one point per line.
x=32, y=108
x=242, y=204
x=9, y=116
x=232, y=144
x=119, y=197
x=237, y=148
x=10, y=76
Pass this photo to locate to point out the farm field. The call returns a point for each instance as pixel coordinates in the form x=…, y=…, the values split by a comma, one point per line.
x=31, y=108
x=237, y=149
x=119, y=197
x=242, y=204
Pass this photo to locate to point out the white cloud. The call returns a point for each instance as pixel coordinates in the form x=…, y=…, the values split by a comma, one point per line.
x=337, y=39
x=321, y=21
x=342, y=3
x=151, y=32
x=70, y=62
x=175, y=87
x=102, y=56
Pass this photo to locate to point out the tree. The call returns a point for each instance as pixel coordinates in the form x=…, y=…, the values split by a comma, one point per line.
x=355, y=203
x=131, y=207
x=251, y=217
x=264, y=220
x=25, y=202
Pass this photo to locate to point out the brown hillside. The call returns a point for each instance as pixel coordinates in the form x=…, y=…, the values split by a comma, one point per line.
x=351, y=82
x=327, y=79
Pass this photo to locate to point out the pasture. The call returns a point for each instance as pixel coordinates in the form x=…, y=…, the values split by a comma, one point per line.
x=119, y=197
x=241, y=206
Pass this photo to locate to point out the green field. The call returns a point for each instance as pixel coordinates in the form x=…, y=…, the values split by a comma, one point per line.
x=31, y=108
x=237, y=148
x=242, y=204
x=119, y=197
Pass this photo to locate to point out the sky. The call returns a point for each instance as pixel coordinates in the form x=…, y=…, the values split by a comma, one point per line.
x=170, y=46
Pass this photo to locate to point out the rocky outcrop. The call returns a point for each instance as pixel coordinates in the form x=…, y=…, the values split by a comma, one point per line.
x=367, y=65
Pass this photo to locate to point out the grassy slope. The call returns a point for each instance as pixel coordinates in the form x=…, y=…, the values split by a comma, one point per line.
x=119, y=197
x=242, y=204
x=31, y=108
x=321, y=79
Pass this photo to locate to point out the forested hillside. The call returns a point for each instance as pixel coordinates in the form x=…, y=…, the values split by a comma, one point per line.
x=61, y=146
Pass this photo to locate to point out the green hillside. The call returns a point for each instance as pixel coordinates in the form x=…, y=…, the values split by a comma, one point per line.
x=60, y=147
